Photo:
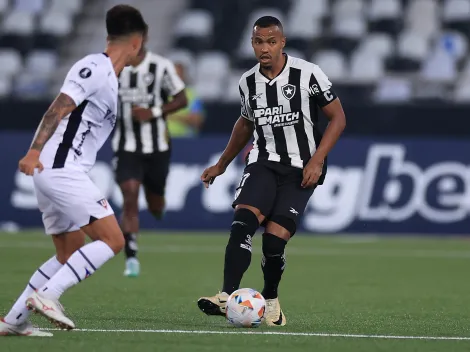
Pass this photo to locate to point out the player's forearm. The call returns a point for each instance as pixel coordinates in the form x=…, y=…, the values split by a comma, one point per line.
x=241, y=135
x=332, y=133
x=59, y=108
x=179, y=101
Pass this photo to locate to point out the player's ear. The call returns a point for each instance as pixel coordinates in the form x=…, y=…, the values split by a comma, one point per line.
x=283, y=42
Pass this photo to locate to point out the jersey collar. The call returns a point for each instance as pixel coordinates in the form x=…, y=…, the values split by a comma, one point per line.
x=143, y=63
x=274, y=80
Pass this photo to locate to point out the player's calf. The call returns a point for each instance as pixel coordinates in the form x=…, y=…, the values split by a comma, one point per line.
x=273, y=264
x=108, y=241
x=238, y=250
x=156, y=204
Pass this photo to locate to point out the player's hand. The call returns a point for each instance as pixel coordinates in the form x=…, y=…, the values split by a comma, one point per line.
x=141, y=114
x=30, y=162
x=209, y=174
x=312, y=172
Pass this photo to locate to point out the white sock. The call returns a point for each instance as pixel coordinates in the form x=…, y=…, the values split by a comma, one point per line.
x=19, y=313
x=83, y=263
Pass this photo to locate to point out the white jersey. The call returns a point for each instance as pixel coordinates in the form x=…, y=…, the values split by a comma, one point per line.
x=93, y=85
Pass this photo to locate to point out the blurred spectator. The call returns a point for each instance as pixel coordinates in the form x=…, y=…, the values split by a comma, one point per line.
x=188, y=121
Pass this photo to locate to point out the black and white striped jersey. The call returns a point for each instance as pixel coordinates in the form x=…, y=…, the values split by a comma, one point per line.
x=148, y=85
x=285, y=111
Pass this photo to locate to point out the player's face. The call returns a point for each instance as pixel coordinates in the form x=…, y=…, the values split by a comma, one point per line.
x=268, y=44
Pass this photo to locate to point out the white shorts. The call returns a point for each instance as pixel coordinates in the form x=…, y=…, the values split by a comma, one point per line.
x=68, y=200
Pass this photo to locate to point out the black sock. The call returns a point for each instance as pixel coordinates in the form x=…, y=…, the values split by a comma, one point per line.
x=273, y=264
x=238, y=250
x=130, y=249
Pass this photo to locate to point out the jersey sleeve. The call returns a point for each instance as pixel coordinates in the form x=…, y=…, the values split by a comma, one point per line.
x=320, y=88
x=172, y=84
x=244, y=112
x=84, y=79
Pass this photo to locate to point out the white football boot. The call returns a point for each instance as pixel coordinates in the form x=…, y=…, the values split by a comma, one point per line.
x=132, y=267
x=274, y=315
x=50, y=309
x=25, y=329
x=213, y=305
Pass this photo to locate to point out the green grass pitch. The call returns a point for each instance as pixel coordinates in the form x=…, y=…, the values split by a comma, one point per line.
x=363, y=293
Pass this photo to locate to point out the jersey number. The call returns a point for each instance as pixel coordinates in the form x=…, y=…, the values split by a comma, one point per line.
x=241, y=184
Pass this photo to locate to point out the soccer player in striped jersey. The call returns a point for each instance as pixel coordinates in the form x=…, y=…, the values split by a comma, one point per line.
x=64, y=150
x=280, y=98
x=149, y=90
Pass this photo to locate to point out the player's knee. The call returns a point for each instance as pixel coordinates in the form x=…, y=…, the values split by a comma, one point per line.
x=254, y=210
x=282, y=226
x=244, y=224
x=116, y=242
x=272, y=245
x=130, y=206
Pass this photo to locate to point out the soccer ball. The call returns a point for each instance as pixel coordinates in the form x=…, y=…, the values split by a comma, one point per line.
x=245, y=308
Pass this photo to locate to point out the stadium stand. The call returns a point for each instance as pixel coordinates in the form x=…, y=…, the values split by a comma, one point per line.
x=384, y=50
x=375, y=50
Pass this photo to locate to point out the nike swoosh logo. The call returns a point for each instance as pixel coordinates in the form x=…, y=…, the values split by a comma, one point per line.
x=279, y=321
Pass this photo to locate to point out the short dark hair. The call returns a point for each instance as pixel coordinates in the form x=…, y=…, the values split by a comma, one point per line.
x=122, y=20
x=268, y=21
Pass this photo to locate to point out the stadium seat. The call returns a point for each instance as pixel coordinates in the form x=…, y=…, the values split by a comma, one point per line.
x=16, y=31
x=454, y=43
x=212, y=64
x=5, y=86
x=232, y=94
x=294, y=52
x=393, y=90
x=439, y=67
x=461, y=93
x=29, y=86
x=456, y=15
x=4, y=5
x=19, y=23
x=186, y=58
x=52, y=27
x=10, y=62
x=385, y=16
x=194, y=30
x=30, y=6
x=423, y=17
x=210, y=89
x=366, y=69
x=456, y=10
x=333, y=63
x=41, y=63
x=304, y=26
x=346, y=33
x=55, y=23
x=413, y=47
x=380, y=44
x=69, y=7
x=304, y=7
x=344, y=8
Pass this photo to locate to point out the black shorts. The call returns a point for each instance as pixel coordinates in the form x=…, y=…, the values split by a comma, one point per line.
x=149, y=169
x=274, y=189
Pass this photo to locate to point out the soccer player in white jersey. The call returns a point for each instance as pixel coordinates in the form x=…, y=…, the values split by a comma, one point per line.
x=63, y=151
x=280, y=99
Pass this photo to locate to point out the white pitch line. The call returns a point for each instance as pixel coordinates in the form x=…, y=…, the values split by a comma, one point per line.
x=293, y=250
x=276, y=333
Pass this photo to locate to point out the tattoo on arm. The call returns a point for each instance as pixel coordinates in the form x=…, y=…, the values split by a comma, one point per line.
x=60, y=107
